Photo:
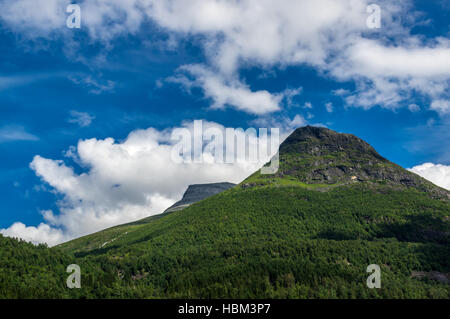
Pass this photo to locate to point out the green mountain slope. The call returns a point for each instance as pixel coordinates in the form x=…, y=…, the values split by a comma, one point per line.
x=286, y=242
x=29, y=271
x=101, y=239
x=308, y=231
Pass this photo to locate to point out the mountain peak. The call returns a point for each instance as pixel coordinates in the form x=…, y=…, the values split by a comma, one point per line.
x=319, y=141
x=318, y=156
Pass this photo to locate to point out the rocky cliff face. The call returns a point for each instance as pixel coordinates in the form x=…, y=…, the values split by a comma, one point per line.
x=195, y=193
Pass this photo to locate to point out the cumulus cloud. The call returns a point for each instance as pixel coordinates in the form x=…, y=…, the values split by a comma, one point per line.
x=328, y=35
x=437, y=173
x=35, y=17
x=375, y=59
x=389, y=75
x=231, y=92
x=37, y=235
x=442, y=106
x=264, y=32
x=331, y=36
x=126, y=181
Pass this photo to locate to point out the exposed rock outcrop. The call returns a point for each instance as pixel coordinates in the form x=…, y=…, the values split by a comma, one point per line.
x=197, y=192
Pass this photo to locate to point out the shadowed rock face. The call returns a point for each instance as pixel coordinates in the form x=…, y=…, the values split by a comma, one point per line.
x=319, y=141
x=195, y=193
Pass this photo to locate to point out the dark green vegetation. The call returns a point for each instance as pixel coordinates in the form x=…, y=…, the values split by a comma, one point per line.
x=27, y=271
x=278, y=236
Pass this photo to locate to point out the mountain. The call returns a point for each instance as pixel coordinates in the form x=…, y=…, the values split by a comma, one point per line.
x=101, y=239
x=196, y=193
x=310, y=230
x=320, y=157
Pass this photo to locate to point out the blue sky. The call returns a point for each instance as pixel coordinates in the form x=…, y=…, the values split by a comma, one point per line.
x=59, y=86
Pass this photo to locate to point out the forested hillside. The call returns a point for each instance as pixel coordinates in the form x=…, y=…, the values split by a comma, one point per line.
x=289, y=235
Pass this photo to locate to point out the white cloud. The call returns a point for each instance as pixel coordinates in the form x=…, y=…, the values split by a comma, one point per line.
x=37, y=235
x=329, y=107
x=226, y=90
x=12, y=133
x=437, y=173
x=328, y=35
x=389, y=75
x=371, y=58
x=442, y=106
x=123, y=182
x=232, y=92
x=262, y=31
x=34, y=17
x=388, y=67
x=83, y=119
x=298, y=121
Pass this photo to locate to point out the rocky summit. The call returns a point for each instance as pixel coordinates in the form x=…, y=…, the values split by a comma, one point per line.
x=320, y=156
